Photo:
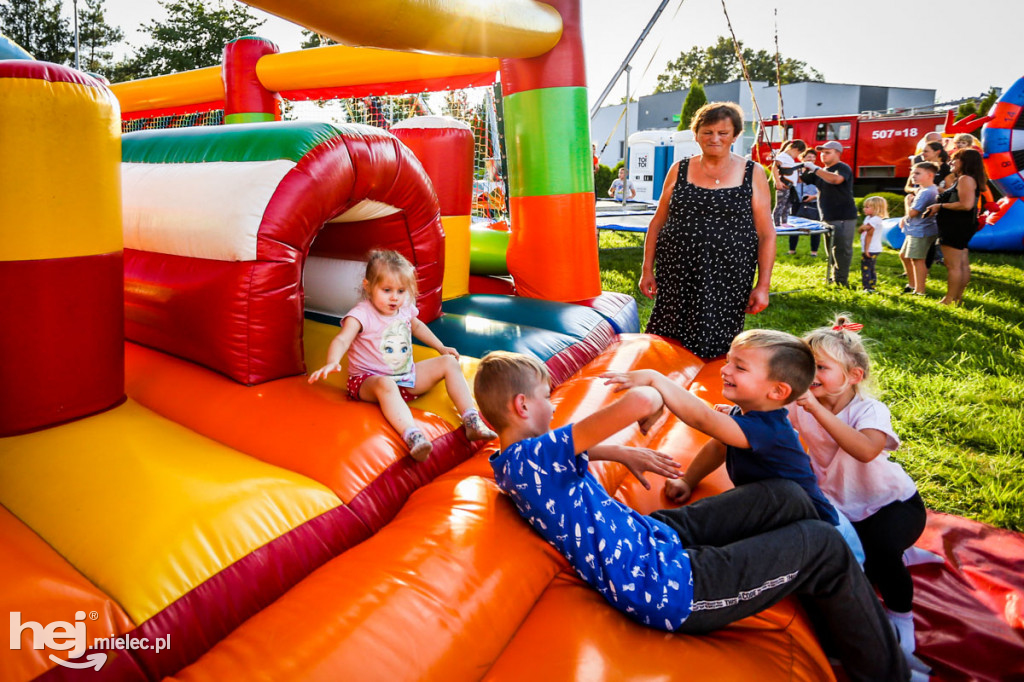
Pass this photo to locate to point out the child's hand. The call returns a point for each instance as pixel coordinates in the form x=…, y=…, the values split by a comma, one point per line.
x=808, y=402
x=448, y=350
x=323, y=372
x=626, y=380
x=678, y=490
x=724, y=408
x=639, y=460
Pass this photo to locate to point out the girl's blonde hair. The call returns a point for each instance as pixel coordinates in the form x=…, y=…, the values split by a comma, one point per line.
x=384, y=263
x=880, y=205
x=842, y=343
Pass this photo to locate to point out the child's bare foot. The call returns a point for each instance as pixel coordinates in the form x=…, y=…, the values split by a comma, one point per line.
x=419, y=445
x=475, y=427
x=648, y=422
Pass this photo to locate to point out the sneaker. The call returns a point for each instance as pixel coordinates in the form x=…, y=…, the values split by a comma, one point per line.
x=869, y=291
x=476, y=429
x=814, y=254
x=419, y=446
x=908, y=289
x=791, y=253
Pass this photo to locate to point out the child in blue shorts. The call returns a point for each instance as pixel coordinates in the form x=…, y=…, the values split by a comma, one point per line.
x=693, y=569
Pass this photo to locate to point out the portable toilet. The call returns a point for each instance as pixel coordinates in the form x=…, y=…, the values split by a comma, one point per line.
x=684, y=144
x=650, y=156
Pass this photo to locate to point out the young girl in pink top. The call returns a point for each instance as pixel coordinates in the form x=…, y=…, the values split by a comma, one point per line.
x=377, y=335
x=848, y=435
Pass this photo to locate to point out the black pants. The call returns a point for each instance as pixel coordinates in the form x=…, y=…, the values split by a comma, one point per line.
x=868, y=276
x=886, y=534
x=815, y=241
x=751, y=546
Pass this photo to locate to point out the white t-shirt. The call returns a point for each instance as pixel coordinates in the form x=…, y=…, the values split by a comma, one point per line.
x=876, y=237
x=786, y=161
x=384, y=346
x=858, y=489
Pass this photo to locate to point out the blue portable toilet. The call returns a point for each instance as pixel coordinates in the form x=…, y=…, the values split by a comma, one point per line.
x=650, y=157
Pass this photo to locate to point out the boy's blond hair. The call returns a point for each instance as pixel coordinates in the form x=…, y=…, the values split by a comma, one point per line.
x=880, y=205
x=790, y=359
x=500, y=377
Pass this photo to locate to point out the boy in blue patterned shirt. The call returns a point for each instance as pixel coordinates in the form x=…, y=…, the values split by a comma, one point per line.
x=693, y=569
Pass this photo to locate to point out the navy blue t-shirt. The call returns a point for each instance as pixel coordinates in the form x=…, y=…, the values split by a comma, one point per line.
x=775, y=452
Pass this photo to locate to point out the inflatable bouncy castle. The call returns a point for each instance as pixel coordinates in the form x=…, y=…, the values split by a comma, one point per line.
x=1003, y=141
x=178, y=502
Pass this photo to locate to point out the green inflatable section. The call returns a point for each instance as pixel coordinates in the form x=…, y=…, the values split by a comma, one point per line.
x=487, y=249
x=551, y=156
x=245, y=142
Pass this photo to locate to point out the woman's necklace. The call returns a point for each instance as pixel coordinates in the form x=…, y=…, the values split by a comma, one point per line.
x=717, y=180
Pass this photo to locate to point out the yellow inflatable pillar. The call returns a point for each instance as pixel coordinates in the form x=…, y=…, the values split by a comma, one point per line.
x=61, y=265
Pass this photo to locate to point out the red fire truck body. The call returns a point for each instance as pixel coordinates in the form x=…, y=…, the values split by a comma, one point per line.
x=877, y=148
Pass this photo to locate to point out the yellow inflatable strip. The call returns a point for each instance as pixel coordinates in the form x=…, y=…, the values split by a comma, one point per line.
x=339, y=65
x=146, y=509
x=60, y=170
x=472, y=28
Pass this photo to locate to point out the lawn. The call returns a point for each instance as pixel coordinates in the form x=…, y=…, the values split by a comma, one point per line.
x=953, y=377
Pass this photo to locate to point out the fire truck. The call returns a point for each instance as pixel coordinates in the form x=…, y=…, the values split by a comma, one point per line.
x=877, y=147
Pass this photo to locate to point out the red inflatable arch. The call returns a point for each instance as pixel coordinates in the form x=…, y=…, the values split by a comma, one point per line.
x=219, y=222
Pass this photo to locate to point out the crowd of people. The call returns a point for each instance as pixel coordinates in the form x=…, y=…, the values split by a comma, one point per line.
x=943, y=200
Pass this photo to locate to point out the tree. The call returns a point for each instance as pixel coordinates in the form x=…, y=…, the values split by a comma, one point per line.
x=695, y=99
x=37, y=26
x=192, y=36
x=94, y=35
x=718, y=63
x=314, y=39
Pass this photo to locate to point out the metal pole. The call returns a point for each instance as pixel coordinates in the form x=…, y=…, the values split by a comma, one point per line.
x=78, y=64
x=625, y=138
x=625, y=62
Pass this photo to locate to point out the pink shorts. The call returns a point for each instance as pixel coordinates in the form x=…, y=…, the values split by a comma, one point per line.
x=355, y=382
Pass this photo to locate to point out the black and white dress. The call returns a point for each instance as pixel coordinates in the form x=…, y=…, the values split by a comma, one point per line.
x=705, y=260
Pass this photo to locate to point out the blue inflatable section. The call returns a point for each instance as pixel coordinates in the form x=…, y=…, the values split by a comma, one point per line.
x=1003, y=142
x=1005, y=235
x=12, y=50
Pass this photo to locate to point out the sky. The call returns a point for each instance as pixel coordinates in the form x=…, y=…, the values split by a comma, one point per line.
x=867, y=42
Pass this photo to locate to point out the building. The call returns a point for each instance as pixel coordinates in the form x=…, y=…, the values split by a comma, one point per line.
x=661, y=111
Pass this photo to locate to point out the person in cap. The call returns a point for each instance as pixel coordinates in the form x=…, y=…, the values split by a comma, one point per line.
x=834, y=180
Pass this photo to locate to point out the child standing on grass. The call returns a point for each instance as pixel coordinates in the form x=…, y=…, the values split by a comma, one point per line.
x=690, y=570
x=849, y=437
x=920, y=228
x=376, y=334
x=876, y=209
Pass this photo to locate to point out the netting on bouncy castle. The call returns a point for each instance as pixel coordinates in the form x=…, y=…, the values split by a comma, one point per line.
x=477, y=107
x=213, y=117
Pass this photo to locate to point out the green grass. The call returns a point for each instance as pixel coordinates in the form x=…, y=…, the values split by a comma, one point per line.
x=953, y=377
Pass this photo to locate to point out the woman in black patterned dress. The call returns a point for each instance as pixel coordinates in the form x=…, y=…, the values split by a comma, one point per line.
x=711, y=234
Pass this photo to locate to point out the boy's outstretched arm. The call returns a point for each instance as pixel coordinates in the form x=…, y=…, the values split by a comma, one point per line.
x=350, y=327
x=637, y=460
x=709, y=457
x=683, y=404
x=633, y=406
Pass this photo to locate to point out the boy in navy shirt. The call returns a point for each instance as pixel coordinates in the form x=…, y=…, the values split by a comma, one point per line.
x=693, y=569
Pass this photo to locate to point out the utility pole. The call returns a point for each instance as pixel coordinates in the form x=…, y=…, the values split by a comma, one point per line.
x=74, y=5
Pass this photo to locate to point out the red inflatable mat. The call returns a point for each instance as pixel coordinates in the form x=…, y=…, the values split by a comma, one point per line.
x=969, y=611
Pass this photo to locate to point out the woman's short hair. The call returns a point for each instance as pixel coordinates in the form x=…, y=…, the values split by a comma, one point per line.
x=713, y=112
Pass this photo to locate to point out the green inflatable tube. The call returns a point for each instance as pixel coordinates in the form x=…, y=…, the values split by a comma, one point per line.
x=487, y=249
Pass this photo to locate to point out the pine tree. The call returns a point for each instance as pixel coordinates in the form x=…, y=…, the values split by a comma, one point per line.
x=38, y=27
x=94, y=35
x=695, y=99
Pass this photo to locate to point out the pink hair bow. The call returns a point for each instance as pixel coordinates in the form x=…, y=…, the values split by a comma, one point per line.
x=848, y=326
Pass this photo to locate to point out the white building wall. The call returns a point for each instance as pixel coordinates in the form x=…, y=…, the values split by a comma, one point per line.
x=603, y=125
